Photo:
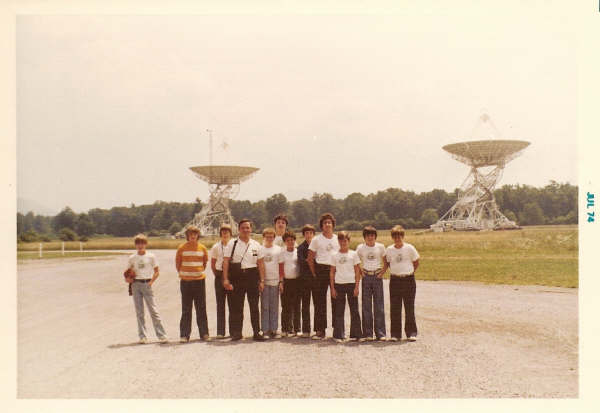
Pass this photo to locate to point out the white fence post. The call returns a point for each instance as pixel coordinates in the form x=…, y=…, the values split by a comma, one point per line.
x=40, y=250
x=63, y=248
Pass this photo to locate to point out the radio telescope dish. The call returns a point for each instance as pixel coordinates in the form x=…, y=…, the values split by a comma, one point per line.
x=476, y=207
x=486, y=153
x=223, y=185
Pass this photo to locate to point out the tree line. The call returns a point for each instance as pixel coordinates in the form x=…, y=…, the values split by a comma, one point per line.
x=555, y=203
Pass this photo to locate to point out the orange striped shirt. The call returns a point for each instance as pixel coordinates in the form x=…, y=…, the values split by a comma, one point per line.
x=191, y=259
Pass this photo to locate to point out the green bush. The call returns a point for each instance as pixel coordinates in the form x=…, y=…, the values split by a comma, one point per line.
x=175, y=228
x=351, y=225
x=29, y=236
x=67, y=234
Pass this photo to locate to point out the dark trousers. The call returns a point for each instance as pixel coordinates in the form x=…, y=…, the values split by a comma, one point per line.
x=290, y=319
x=245, y=283
x=372, y=302
x=320, y=287
x=402, y=289
x=221, y=295
x=346, y=291
x=305, y=286
x=193, y=292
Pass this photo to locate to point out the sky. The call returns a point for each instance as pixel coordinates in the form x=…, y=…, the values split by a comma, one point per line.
x=113, y=110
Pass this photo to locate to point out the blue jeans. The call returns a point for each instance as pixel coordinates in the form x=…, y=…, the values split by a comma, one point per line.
x=143, y=292
x=372, y=302
x=269, y=308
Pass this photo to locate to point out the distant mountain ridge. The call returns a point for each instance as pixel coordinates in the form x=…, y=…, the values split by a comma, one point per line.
x=25, y=205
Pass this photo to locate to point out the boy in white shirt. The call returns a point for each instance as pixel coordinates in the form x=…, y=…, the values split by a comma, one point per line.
x=288, y=274
x=372, y=255
x=344, y=279
x=216, y=264
x=145, y=266
x=268, y=268
x=403, y=260
x=319, y=259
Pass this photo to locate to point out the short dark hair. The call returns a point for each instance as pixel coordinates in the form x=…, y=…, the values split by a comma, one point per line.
x=282, y=217
x=369, y=230
x=308, y=227
x=244, y=220
x=325, y=216
x=289, y=234
x=343, y=235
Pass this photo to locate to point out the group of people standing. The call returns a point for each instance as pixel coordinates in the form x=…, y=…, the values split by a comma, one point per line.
x=279, y=268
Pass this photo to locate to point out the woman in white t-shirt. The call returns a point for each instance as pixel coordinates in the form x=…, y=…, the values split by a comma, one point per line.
x=344, y=281
x=319, y=258
x=216, y=264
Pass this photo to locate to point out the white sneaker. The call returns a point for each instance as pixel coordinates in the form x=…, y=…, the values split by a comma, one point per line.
x=370, y=338
x=220, y=336
x=382, y=338
x=143, y=340
x=412, y=338
x=276, y=335
x=184, y=339
x=266, y=336
x=284, y=334
x=353, y=339
x=363, y=339
x=393, y=338
x=163, y=339
x=338, y=340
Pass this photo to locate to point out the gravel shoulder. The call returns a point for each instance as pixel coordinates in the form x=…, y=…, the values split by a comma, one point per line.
x=77, y=338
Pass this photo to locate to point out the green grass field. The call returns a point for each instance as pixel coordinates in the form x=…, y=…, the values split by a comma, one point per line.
x=542, y=255
x=34, y=255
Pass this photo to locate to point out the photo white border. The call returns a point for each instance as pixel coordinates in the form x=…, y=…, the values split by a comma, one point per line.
x=583, y=16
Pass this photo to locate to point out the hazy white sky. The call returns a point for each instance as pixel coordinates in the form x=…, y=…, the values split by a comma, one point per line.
x=113, y=109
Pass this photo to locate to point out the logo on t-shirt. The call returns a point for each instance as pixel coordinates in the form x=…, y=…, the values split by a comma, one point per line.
x=371, y=256
x=399, y=258
x=329, y=247
x=268, y=258
x=343, y=259
x=141, y=264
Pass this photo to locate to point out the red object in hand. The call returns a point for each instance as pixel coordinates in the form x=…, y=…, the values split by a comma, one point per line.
x=129, y=275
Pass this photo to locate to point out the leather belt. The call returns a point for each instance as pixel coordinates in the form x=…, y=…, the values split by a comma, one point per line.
x=145, y=280
x=374, y=272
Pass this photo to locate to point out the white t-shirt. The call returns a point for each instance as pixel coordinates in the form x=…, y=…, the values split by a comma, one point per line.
x=143, y=265
x=278, y=241
x=290, y=263
x=371, y=256
x=401, y=259
x=217, y=251
x=324, y=248
x=344, y=263
x=270, y=257
x=246, y=253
